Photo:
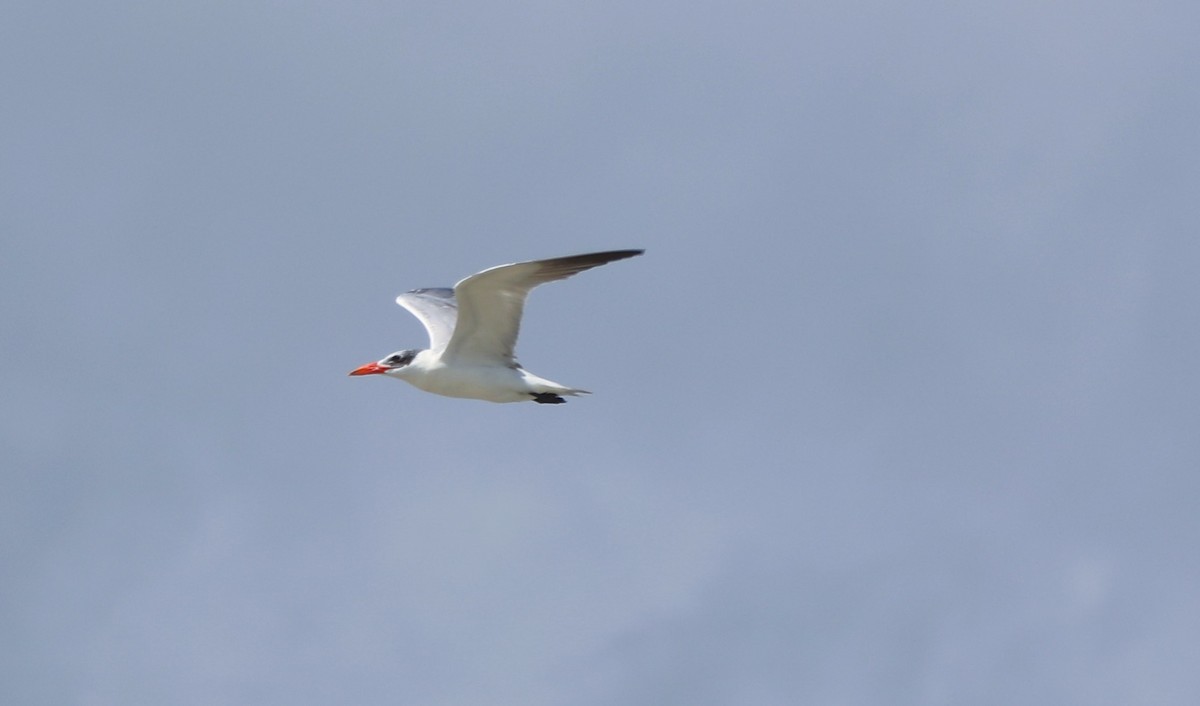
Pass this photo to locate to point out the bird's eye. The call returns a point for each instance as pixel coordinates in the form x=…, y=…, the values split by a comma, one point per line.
x=398, y=359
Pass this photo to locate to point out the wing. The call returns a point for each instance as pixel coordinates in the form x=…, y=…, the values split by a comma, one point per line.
x=490, y=303
x=437, y=311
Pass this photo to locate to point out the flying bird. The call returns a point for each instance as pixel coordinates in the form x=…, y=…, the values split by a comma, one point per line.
x=473, y=331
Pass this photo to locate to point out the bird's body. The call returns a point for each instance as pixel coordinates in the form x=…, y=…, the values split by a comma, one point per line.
x=494, y=383
x=473, y=332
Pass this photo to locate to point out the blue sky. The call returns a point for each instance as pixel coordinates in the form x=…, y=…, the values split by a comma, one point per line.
x=899, y=406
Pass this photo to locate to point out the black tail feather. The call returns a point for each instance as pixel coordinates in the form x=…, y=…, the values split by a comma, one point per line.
x=546, y=398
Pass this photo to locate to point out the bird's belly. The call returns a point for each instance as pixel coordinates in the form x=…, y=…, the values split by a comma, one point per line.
x=494, y=384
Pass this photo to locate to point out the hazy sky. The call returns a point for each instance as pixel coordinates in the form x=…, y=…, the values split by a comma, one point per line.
x=901, y=406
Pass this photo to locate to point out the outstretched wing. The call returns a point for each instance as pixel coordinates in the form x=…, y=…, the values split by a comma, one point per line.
x=491, y=302
x=437, y=311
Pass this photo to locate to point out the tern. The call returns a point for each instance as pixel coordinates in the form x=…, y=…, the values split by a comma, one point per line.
x=473, y=330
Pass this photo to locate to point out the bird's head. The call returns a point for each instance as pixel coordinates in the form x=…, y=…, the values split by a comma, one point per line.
x=393, y=365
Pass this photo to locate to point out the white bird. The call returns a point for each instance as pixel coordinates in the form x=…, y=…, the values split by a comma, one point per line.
x=473, y=331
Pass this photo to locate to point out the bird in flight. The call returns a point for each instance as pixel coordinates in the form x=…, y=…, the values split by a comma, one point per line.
x=473, y=331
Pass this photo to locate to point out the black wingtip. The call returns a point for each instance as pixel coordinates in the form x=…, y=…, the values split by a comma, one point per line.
x=605, y=256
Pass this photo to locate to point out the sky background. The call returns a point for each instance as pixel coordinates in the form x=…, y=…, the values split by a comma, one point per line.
x=900, y=406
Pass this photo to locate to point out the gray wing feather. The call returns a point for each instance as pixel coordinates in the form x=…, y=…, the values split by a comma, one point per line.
x=437, y=311
x=491, y=302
